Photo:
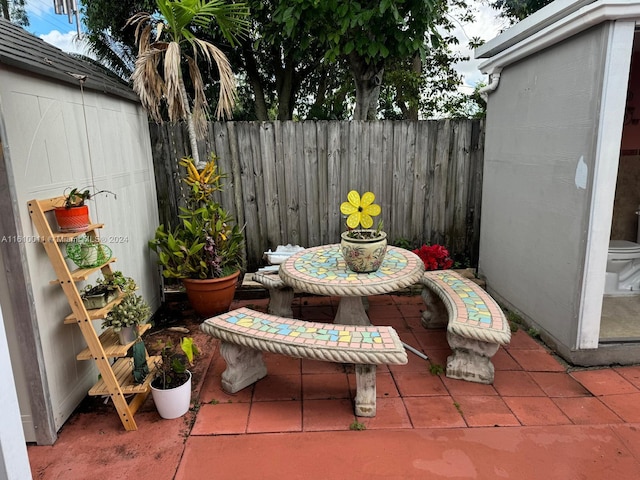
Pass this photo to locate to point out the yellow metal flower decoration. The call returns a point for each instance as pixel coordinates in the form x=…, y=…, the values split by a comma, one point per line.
x=360, y=210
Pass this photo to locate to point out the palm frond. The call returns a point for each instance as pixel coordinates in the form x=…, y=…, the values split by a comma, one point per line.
x=174, y=88
x=148, y=83
x=200, y=106
x=232, y=18
x=227, y=97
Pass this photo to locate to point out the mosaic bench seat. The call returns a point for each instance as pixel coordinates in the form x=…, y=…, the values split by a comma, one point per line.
x=280, y=295
x=245, y=334
x=476, y=325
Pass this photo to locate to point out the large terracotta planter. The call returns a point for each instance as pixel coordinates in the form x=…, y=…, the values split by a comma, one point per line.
x=74, y=219
x=211, y=296
x=364, y=255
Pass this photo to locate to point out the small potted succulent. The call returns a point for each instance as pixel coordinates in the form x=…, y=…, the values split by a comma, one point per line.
x=126, y=316
x=171, y=387
x=363, y=248
x=106, y=290
x=73, y=215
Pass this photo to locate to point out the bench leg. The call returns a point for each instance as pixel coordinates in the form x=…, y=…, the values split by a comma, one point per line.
x=365, y=390
x=435, y=315
x=471, y=359
x=245, y=366
x=280, y=300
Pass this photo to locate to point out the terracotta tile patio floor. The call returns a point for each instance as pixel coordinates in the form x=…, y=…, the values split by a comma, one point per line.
x=539, y=420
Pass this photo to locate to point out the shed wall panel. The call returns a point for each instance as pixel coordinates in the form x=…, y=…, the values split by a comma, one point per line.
x=541, y=129
x=59, y=137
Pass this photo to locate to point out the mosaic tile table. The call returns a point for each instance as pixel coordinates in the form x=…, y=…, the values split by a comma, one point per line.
x=322, y=271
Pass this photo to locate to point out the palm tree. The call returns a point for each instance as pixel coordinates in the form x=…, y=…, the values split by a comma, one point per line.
x=162, y=45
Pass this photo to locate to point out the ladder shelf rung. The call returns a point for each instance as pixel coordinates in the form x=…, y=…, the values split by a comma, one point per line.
x=97, y=313
x=123, y=370
x=111, y=344
x=81, y=274
x=66, y=237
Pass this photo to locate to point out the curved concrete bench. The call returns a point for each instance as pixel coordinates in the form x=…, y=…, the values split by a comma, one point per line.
x=476, y=325
x=280, y=295
x=245, y=334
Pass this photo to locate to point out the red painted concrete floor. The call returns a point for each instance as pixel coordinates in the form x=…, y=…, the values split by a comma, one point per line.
x=539, y=420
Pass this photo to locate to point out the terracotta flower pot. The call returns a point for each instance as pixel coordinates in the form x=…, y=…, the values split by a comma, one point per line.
x=364, y=255
x=211, y=296
x=74, y=219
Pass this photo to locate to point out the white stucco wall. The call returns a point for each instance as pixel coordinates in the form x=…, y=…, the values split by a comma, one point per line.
x=51, y=147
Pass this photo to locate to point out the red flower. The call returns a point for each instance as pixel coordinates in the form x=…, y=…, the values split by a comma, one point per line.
x=435, y=257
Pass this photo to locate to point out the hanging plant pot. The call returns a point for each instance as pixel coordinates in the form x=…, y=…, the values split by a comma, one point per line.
x=74, y=219
x=88, y=254
x=172, y=402
x=364, y=252
x=211, y=296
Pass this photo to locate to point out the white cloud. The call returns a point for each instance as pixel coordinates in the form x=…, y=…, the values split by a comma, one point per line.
x=67, y=42
x=486, y=26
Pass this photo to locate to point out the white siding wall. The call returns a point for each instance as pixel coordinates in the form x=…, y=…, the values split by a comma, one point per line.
x=51, y=148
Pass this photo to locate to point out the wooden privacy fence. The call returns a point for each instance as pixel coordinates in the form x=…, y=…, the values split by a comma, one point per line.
x=286, y=180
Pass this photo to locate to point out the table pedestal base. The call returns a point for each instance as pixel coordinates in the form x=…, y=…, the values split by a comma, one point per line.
x=351, y=312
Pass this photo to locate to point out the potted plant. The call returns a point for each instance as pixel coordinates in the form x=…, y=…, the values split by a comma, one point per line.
x=206, y=250
x=73, y=215
x=363, y=248
x=125, y=317
x=106, y=290
x=88, y=253
x=171, y=386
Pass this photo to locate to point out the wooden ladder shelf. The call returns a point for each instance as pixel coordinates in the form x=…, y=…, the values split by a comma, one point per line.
x=116, y=379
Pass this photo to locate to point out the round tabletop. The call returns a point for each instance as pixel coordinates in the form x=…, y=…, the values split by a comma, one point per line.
x=323, y=271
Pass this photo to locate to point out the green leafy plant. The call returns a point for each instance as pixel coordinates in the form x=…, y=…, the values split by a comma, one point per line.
x=436, y=369
x=116, y=282
x=171, y=370
x=76, y=197
x=208, y=243
x=356, y=425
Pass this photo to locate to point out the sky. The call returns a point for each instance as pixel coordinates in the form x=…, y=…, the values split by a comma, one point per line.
x=56, y=30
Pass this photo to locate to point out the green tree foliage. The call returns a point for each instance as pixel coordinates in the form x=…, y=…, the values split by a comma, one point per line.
x=322, y=59
x=14, y=11
x=365, y=35
x=516, y=10
x=112, y=43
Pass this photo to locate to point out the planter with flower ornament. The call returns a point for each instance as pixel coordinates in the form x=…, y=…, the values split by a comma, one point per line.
x=363, y=248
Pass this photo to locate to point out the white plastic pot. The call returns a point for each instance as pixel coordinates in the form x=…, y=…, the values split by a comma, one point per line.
x=174, y=402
